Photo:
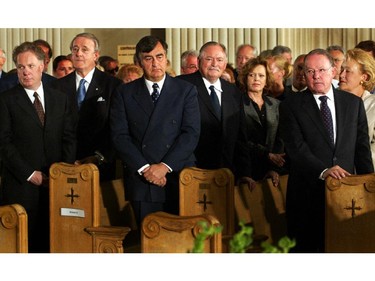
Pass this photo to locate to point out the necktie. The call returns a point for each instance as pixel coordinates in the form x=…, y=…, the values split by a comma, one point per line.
x=39, y=108
x=81, y=92
x=215, y=102
x=327, y=116
x=155, y=93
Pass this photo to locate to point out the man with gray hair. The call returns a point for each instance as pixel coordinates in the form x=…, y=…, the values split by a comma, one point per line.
x=338, y=54
x=189, y=61
x=91, y=91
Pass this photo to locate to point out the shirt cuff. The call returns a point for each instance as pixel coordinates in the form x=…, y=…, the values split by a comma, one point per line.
x=29, y=178
x=169, y=168
x=140, y=171
x=321, y=174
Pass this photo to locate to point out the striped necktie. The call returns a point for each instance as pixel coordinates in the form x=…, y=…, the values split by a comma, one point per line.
x=39, y=108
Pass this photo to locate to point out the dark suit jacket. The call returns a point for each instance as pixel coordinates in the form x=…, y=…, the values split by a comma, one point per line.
x=221, y=143
x=308, y=146
x=26, y=146
x=143, y=134
x=259, y=146
x=93, y=117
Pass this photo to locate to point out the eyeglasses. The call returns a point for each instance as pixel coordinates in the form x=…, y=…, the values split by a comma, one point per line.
x=192, y=66
x=320, y=71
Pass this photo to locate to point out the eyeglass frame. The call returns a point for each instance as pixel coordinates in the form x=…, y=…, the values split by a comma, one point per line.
x=322, y=71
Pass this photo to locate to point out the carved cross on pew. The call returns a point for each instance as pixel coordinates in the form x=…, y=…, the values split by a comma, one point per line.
x=72, y=196
x=204, y=202
x=353, y=208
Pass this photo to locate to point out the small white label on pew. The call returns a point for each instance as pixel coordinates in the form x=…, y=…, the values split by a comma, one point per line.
x=68, y=212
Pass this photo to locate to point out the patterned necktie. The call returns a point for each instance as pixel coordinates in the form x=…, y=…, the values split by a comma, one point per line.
x=215, y=102
x=327, y=116
x=81, y=92
x=39, y=108
x=155, y=93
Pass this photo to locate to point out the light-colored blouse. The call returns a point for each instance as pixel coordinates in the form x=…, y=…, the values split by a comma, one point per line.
x=369, y=102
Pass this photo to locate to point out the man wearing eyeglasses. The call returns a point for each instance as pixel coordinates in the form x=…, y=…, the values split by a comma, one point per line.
x=189, y=62
x=91, y=91
x=338, y=55
x=318, y=149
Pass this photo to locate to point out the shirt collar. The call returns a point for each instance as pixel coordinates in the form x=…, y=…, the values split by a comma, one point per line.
x=88, y=77
x=217, y=85
x=40, y=91
x=149, y=84
x=329, y=95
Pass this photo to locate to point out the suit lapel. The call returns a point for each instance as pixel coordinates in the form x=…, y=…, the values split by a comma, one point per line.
x=340, y=107
x=204, y=95
x=25, y=103
x=142, y=97
x=251, y=112
x=95, y=88
x=312, y=110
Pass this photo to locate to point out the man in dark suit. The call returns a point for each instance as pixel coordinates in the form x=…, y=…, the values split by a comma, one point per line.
x=223, y=139
x=93, y=137
x=155, y=126
x=317, y=151
x=32, y=137
x=298, y=81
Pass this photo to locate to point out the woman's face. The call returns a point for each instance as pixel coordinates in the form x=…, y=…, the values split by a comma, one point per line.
x=256, y=79
x=351, y=76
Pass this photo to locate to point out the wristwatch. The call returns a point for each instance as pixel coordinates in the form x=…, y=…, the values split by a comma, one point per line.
x=99, y=157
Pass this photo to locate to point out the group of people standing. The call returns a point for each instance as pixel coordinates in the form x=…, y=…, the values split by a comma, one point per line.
x=157, y=125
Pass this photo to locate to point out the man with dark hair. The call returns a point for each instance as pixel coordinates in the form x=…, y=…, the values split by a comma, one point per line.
x=109, y=64
x=155, y=126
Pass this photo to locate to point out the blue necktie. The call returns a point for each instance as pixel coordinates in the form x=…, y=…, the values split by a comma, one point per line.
x=155, y=93
x=81, y=92
x=215, y=102
x=327, y=117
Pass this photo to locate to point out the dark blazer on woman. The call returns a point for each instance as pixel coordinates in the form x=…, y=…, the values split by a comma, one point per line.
x=258, y=146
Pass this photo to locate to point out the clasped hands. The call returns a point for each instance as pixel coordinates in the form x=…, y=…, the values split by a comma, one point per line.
x=156, y=174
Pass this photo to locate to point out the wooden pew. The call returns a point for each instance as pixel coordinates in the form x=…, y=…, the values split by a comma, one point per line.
x=210, y=192
x=13, y=229
x=75, y=212
x=263, y=208
x=350, y=214
x=166, y=233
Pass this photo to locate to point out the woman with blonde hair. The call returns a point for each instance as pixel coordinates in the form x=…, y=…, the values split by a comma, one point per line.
x=281, y=70
x=358, y=77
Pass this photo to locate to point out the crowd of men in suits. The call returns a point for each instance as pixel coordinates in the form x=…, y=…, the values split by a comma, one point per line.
x=157, y=125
